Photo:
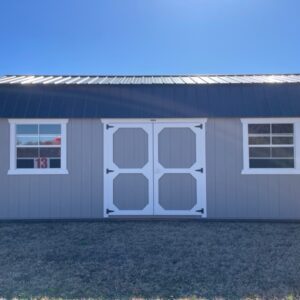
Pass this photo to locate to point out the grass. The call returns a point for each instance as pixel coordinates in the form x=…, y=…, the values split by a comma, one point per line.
x=143, y=259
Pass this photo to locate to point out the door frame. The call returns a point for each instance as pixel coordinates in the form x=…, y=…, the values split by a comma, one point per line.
x=106, y=121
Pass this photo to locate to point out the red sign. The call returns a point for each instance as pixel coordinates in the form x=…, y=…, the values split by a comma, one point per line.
x=42, y=162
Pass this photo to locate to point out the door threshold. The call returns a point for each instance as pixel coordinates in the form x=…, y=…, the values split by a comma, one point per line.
x=160, y=217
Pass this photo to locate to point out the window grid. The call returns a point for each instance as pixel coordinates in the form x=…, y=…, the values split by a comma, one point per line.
x=38, y=146
x=271, y=145
x=270, y=148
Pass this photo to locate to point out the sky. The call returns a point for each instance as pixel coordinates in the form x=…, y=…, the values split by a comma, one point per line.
x=134, y=37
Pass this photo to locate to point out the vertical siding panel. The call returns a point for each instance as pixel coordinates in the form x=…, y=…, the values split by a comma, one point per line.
x=24, y=196
x=77, y=166
x=241, y=181
x=221, y=189
x=87, y=160
x=274, y=196
x=230, y=161
x=286, y=201
x=211, y=168
x=4, y=167
x=97, y=170
x=57, y=194
x=44, y=199
x=64, y=196
x=15, y=188
x=252, y=197
x=265, y=209
x=34, y=197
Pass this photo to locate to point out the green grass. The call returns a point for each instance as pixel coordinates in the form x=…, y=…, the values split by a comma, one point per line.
x=158, y=259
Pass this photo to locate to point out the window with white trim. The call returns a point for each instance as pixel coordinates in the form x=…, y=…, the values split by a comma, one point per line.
x=38, y=147
x=270, y=146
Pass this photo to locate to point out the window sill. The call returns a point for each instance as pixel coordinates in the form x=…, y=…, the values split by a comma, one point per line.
x=38, y=172
x=270, y=172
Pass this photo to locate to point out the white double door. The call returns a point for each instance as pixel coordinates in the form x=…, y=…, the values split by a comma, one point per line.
x=154, y=168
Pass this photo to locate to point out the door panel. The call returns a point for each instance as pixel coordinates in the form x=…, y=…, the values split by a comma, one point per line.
x=179, y=169
x=176, y=147
x=154, y=169
x=174, y=188
x=128, y=176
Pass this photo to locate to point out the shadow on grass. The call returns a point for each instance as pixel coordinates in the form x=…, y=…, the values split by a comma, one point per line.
x=159, y=259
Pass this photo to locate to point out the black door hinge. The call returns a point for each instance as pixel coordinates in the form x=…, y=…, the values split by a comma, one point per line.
x=108, y=211
x=200, y=170
x=109, y=126
x=200, y=210
x=199, y=126
x=109, y=171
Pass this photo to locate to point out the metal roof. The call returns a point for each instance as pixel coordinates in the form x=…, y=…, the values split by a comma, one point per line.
x=125, y=80
x=149, y=101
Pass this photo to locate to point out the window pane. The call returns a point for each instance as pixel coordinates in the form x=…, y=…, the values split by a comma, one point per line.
x=25, y=163
x=260, y=152
x=282, y=128
x=55, y=140
x=259, y=128
x=27, y=140
x=282, y=140
x=259, y=140
x=271, y=163
x=27, y=152
x=27, y=129
x=54, y=163
x=50, y=129
x=49, y=152
x=283, y=152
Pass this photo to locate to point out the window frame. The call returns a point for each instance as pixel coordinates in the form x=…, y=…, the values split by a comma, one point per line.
x=13, y=147
x=272, y=171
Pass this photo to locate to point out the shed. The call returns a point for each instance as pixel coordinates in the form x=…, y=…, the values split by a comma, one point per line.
x=199, y=146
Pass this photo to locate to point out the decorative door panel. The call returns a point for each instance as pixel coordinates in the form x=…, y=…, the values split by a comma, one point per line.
x=179, y=169
x=128, y=163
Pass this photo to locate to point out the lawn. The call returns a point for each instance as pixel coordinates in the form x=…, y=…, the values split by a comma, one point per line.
x=150, y=259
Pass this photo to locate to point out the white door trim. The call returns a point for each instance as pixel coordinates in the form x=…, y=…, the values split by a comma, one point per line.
x=153, y=120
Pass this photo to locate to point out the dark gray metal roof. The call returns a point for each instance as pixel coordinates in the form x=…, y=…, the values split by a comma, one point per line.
x=120, y=80
x=149, y=101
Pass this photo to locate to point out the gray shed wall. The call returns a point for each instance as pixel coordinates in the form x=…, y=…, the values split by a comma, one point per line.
x=77, y=195
x=80, y=194
x=233, y=195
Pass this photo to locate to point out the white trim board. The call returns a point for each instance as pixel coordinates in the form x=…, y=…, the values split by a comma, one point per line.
x=153, y=120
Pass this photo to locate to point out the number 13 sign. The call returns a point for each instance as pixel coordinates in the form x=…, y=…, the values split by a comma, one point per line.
x=42, y=162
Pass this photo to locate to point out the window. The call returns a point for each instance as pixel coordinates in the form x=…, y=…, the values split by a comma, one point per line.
x=270, y=146
x=38, y=147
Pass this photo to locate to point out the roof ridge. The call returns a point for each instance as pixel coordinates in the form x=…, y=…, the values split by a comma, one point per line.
x=154, y=75
x=149, y=79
